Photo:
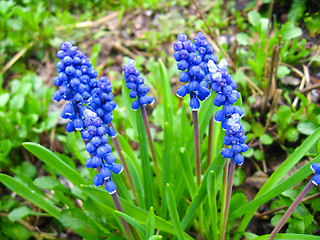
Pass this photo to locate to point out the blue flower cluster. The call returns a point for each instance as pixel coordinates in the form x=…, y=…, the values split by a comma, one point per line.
x=102, y=103
x=135, y=83
x=97, y=145
x=316, y=169
x=76, y=78
x=192, y=60
x=225, y=88
x=89, y=107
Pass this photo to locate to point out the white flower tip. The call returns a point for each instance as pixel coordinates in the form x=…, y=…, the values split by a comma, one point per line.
x=312, y=169
x=223, y=63
x=314, y=183
x=113, y=192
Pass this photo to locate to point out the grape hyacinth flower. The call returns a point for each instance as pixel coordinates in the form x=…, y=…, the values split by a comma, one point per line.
x=138, y=92
x=315, y=181
x=76, y=78
x=225, y=87
x=135, y=83
x=77, y=81
x=190, y=62
x=95, y=136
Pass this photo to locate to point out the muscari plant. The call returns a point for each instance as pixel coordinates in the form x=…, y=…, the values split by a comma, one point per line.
x=89, y=108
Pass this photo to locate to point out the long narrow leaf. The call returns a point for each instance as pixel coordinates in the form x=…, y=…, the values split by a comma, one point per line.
x=150, y=224
x=55, y=162
x=140, y=215
x=289, y=236
x=135, y=179
x=25, y=192
x=173, y=212
x=133, y=222
x=278, y=175
x=212, y=193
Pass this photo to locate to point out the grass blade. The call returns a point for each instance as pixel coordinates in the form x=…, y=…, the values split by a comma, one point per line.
x=187, y=172
x=212, y=203
x=173, y=212
x=133, y=222
x=150, y=224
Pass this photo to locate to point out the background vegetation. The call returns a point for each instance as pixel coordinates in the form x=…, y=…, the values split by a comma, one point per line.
x=275, y=48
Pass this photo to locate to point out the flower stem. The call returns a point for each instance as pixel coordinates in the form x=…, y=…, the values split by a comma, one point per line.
x=147, y=126
x=210, y=140
x=290, y=210
x=224, y=197
x=117, y=146
x=195, y=119
x=229, y=192
x=118, y=206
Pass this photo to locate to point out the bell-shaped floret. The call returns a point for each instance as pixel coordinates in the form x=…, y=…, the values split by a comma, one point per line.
x=98, y=180
x=194, y=104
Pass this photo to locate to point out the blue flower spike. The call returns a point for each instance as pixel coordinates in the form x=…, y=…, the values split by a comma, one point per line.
x=316, y=169
x=192, y=59
x=229, y=116
x=95, y=135
x=135, y=82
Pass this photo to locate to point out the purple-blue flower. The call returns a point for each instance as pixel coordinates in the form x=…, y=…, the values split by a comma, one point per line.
x=95, y=136
x=135, y=82
x=316, y=169
x=89, y=107
x=192, y=59
x=229, y=116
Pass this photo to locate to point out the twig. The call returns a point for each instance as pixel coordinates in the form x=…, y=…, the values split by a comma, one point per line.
x=296, y=100
x=232, y=65
x=91, y=24
x=273, y=108
x=224, y=197
x=15, y=58
x=121, y=48
x=268, y=89
x=307, y=76
x=261, y=93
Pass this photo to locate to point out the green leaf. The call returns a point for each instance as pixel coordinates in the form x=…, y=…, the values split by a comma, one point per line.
x=21, y=212
x=4, y=99
x=283, y=71
x=254, y=18
x=306, y=128
x=296, y=226
x=174, y=213
x=47, y=182
x=150, y=224
x=243, y=39
x=289, y=31
x=140, y=215
x=292, y=134
x=259, y=155
x=212, y=202
x=55, y=162
x=16, y=103
x=155, y=237
x=133, y=222
x=257, y=129
x=29, y=194
x=239, y=177
x=288, y=236
x=266, y=139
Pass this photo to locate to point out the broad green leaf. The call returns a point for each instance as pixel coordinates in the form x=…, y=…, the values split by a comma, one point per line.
x=4, y=97
x=306, y=128
x=55, y=162
x=23, y=211
x=25, y=192
x=254, y=18
x=289, y=31
x=243, y=39
x=266, y=139
x=155, y=237
x=47, y=182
